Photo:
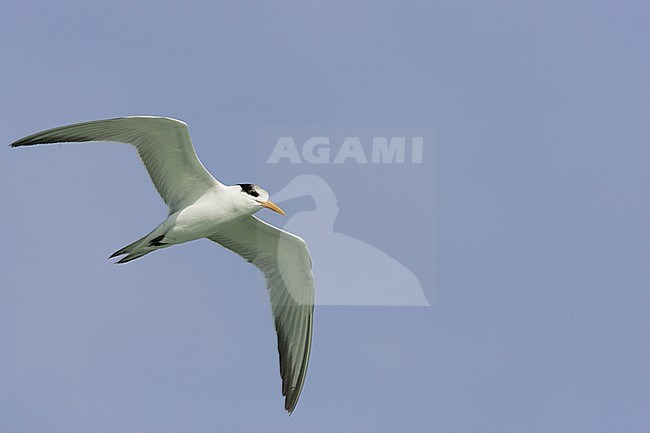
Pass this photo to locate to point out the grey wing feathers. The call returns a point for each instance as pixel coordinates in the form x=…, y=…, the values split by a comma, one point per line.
x=285, y=262
x=164, y=145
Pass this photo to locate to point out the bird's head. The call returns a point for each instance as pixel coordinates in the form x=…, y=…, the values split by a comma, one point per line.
x=257, y=197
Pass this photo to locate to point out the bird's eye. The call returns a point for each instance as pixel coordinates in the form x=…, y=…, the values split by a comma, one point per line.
x=253, y=193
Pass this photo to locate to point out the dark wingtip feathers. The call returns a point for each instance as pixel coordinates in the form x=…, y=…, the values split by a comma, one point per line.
x=30, y=141
x=17, y=143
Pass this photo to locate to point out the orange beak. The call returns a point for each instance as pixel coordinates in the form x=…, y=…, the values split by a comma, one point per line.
x=273, y=207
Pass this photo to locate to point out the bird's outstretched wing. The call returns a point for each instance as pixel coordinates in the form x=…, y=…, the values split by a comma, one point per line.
x=164, y=145
x=286, y=264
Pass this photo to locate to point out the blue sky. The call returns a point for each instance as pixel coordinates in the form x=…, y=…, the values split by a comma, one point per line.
x=526, y=224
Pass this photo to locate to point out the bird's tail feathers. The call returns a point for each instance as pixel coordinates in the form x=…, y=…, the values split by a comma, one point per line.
x=132, y=256
x=132, y=251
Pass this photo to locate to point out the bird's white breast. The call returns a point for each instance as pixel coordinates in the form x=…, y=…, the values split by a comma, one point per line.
x=204, y=217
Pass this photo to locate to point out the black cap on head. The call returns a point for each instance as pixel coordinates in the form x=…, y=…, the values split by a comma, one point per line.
x=249, y=189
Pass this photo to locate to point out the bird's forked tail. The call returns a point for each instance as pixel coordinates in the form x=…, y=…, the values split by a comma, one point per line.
x=134, y=250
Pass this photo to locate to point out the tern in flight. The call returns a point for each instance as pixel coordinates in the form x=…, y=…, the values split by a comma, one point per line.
x=202, y=207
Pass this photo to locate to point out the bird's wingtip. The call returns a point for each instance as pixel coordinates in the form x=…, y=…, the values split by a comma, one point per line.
x=290, y=402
